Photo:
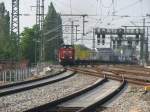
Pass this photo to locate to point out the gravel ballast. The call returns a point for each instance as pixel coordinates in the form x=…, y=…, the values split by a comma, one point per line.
x=133, y=100
x=29, y=99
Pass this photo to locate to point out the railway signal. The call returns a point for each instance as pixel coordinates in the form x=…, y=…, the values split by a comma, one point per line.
x=98, y=39
x=103, y=39
x=137, y=39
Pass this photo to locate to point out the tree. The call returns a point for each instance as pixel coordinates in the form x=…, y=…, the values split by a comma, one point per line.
x=53, y=33
x=28, y=44
x=6, y=51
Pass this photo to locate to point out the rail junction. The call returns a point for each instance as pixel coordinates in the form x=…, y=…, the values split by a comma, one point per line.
x=88, y=99
x=111, y=80
x=74, y=62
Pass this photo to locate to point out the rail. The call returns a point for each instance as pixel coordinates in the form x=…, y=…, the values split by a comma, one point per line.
x=50, y=105
x=122, y=79
x=31, y=85
x=103, y=100
x=111, y=75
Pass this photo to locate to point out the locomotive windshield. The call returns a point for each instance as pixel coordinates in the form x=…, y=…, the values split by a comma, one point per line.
x=67, y=46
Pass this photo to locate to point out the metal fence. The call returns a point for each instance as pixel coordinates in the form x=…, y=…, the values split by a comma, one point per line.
x=15, y=75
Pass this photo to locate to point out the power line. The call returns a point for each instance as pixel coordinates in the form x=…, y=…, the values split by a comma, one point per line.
x=108, y=5
x=128, y=6
x=113, y=3
x=70, y=7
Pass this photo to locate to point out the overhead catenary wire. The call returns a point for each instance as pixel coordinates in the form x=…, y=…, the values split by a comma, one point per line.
x=109, y=6
x=62, y=4
x=97, y=19
x=54, y=29
x=128, y=6
x=89, y=17
x=71, y=7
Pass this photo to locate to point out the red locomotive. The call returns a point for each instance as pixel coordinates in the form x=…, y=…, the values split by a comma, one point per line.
x=66, y=55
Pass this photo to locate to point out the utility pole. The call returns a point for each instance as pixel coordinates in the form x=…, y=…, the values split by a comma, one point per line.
x=15, y=27
x=76, y=26
x=72, y=32
x=39, y=23
x=83, y=19
x=93, y=39
x=83, y=22
x=38, y=12
x=93, y=54
x=38, y=26
x=42, y=33
x=145, y=42
x=147, y=51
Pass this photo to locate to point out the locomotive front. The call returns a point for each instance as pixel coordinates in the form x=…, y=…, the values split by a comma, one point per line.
x=66, y=55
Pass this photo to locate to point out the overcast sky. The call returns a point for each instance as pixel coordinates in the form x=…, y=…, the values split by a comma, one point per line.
x=103, y=9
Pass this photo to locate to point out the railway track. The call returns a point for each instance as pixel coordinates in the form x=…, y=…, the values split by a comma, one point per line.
x=130, y=71
x=131, y=67
x=127, y=73
x=112, y=75
x=51, y=106
x=31, y=84
x=87, y=102
x=84, y=100
x=135, y=72
x=90, y=98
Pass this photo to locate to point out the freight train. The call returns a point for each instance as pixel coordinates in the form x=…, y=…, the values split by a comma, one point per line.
x=68, y=55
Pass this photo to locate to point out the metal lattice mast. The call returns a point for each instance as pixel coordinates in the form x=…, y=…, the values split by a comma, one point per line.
x=38, y=14
x=15, y=24
x=38, y=27
x=42, y=14
x=40, y=22
x=42, y=33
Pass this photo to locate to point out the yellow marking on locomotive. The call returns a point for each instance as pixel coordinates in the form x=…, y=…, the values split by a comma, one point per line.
x=147, y=88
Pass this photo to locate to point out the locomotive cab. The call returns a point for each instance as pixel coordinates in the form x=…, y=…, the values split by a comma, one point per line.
x=66, y=55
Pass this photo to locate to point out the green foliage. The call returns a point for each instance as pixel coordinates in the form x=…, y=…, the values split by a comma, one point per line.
x=53, y=33
x=6, y=43
x=29, y=43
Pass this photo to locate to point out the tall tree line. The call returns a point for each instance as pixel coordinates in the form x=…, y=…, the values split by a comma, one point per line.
x=30, y=40
x=7, y=45
x=53, y=33
x=53, y=38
